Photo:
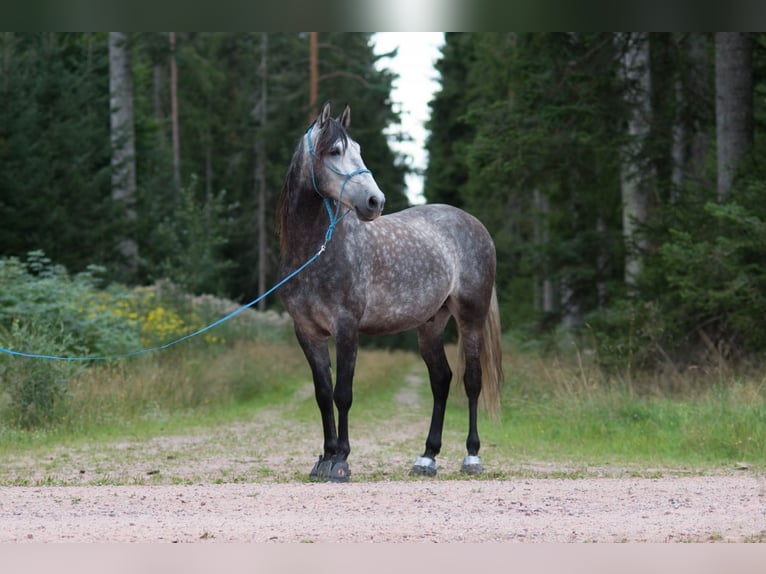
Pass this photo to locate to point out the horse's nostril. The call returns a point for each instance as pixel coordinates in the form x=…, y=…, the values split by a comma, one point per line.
x=373, y=202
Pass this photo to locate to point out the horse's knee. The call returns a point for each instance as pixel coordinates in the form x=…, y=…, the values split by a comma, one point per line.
x=343, y=398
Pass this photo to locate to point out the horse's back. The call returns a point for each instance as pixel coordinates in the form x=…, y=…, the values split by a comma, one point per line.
x=422, y=256
x=458, y=232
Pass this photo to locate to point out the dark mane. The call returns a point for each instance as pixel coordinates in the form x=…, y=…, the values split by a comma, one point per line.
x=331, y=132
x=291, y=182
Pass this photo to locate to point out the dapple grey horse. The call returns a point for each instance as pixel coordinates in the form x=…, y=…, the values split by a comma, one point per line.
x=382, y=274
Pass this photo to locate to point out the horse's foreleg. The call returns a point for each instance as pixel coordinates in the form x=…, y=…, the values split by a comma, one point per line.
x=318, y=357
x=346, y=340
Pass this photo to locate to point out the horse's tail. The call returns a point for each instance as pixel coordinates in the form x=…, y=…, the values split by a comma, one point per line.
x=491, y=360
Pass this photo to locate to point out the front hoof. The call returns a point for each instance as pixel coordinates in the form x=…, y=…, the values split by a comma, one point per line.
x=329, y=471
x=424, y=466
x=472, y=465
x=340, y=472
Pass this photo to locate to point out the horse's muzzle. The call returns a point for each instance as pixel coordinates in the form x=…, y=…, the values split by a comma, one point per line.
x=372, y=208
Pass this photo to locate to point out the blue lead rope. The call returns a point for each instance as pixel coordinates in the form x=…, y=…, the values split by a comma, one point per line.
x=335, y=218
x=176, y=341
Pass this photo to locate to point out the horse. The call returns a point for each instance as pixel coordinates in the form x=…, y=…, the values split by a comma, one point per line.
x=382, y=274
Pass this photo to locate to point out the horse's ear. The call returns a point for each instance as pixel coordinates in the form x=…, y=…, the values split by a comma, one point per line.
x=324, y=115
x=345, y=117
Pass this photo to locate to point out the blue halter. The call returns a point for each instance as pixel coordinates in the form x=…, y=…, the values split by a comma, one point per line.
x=335, y=216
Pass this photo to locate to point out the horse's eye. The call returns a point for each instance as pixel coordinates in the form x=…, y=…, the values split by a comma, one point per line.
x=335, y=151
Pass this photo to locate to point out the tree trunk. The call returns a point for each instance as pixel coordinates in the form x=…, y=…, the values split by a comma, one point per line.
x=733, y=104
x=174, y=112
x=636, y=171
x=260, y=169
x=158, y=79
x=544, y=296
x=699, y=85
x=123, y=144
x=691, y=138
x=313, y=73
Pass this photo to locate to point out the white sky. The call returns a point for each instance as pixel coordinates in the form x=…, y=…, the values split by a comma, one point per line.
x=418, y=79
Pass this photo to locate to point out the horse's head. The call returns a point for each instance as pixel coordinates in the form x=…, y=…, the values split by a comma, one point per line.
x=338, y=171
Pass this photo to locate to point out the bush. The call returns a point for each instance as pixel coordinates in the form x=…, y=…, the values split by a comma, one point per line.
x=45, y=310
x=37, y=292
x=702, y=294
x=36, y=391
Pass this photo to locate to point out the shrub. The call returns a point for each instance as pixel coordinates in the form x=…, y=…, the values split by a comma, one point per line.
x=36, y=291
x=45, y=310
x=702, y=295
x=36, y=392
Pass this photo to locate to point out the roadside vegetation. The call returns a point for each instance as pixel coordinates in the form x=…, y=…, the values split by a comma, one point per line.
x=561, y=408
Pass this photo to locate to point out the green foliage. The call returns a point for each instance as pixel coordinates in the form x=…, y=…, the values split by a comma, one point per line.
x=54, y=147
x=525, y=133
x=35, y=392
x=702, y=291
x=193, y=241
x=38, y=292
x=529, y=134
x=55, y=185
x=571, y=409
x=45, y=310
x=450, y=130
x=717, y=272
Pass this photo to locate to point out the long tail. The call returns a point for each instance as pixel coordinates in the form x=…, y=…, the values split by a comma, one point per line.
x=491, y=360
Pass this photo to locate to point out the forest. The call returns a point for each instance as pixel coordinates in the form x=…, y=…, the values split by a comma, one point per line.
x=618, y=173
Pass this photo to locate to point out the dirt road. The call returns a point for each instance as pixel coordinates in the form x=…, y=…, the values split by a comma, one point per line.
x=699, y=508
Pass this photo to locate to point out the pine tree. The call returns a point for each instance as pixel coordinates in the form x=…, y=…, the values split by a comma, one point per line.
x=123, y=143
x=734, y=104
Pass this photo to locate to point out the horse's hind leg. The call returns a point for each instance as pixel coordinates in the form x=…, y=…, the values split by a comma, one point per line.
x=471, y=339
x=431, y=343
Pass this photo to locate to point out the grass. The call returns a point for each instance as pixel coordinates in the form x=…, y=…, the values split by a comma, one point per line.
x=245, y=412
x=566, y=411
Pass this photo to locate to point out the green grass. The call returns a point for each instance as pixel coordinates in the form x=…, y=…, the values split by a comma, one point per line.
x=245, y=401
x=616, y=427
x=569, y=412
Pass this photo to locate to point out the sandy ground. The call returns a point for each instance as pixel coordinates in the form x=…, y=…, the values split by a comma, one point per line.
x=677, y=509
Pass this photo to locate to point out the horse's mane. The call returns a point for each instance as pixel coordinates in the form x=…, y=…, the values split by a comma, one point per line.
x=296, y=176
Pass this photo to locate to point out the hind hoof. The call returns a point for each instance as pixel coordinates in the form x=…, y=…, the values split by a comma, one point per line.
x=424, y=466
x=472, y=465
x=329, y=471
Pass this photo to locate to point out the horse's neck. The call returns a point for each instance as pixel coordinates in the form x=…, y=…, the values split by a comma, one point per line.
x=306, y=225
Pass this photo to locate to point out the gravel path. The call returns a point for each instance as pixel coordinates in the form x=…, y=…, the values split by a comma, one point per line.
x=677, y=509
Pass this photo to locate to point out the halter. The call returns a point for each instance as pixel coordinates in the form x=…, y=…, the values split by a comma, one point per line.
x=334, y=216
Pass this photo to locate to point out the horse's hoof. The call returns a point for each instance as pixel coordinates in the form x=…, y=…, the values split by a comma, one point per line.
x=472, y=465
x=340, y=472
x=424, y=466
x=329, y=471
